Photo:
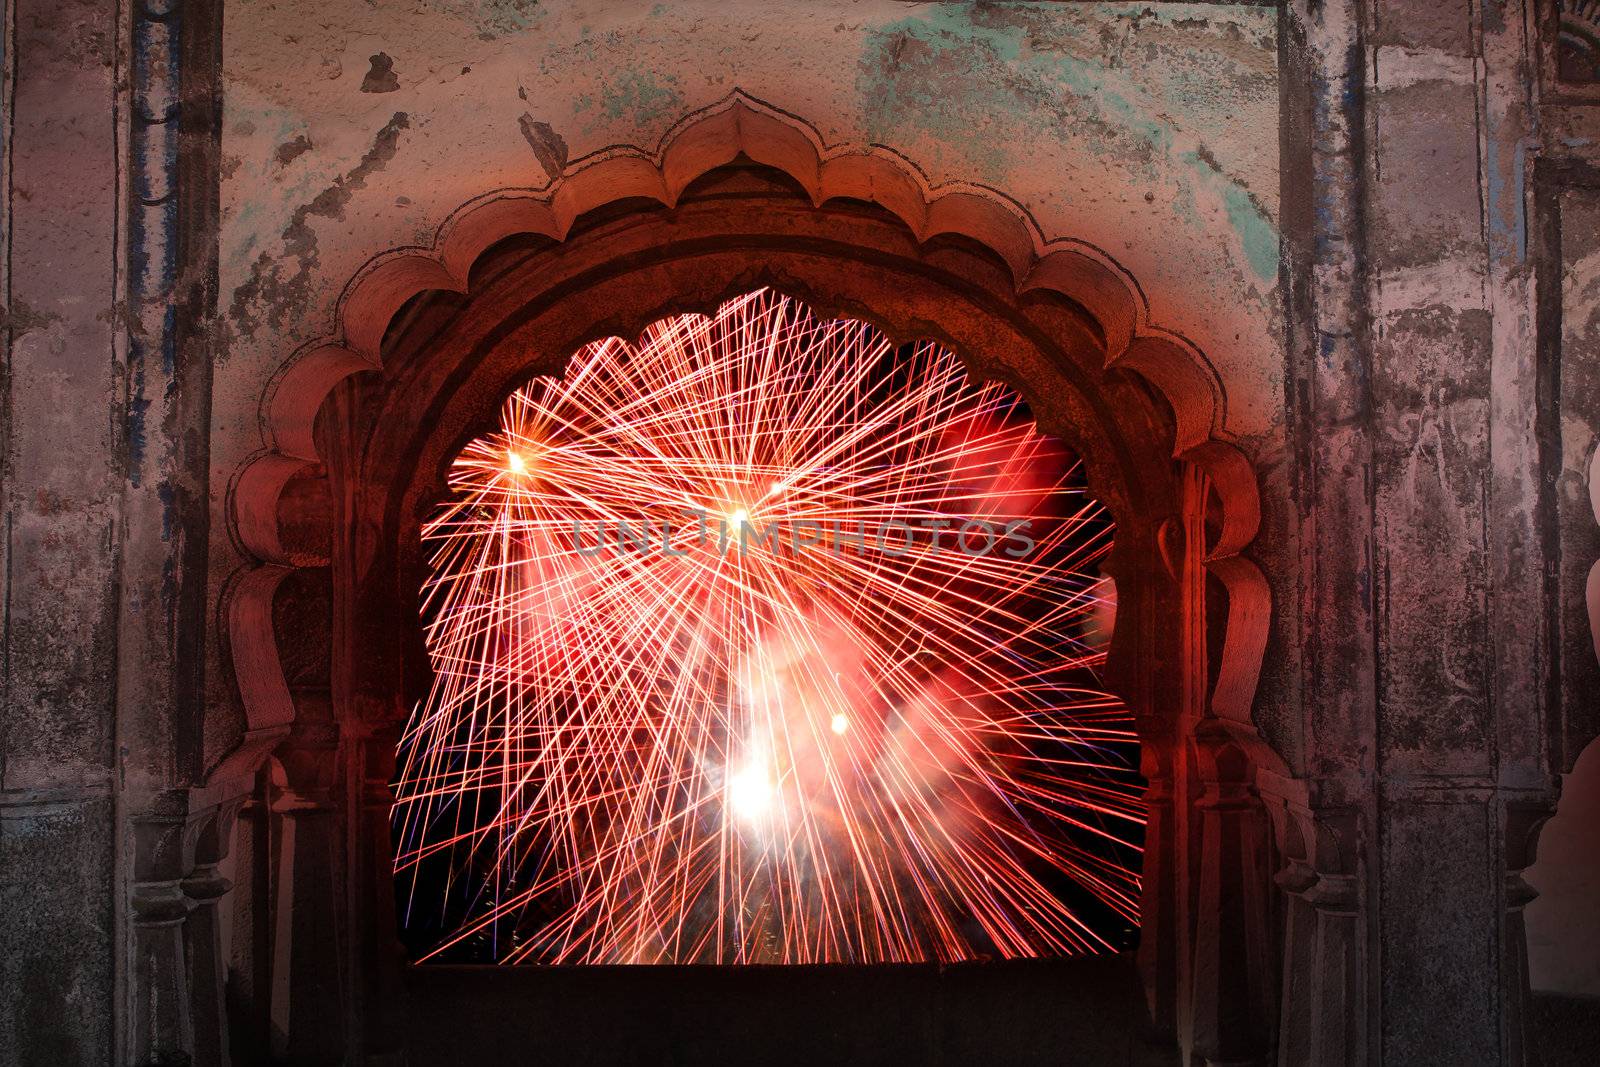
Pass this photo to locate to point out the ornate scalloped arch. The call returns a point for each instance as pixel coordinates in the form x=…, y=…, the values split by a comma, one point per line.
x=701, y=142
x=1578, y=39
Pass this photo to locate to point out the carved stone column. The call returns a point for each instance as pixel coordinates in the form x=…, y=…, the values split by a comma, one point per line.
x=249, y=961
x=204, y=887
x=160, y=1029
x=377, y=994
x=1234, y=977
x=1320, y=1022
x=1144, y=667
x=1321, y=1018
x=1299, y=946
x=1522, y=825
x=307, y=1015
x=1158, y=906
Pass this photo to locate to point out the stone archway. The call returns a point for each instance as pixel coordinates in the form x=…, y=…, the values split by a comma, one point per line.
x=428, y=341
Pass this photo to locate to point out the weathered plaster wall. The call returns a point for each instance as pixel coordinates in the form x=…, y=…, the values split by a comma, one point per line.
x=1149, y=130
x=61, y=462
x=1456, y=566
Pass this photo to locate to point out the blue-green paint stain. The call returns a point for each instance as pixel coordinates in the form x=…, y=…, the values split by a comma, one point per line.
x=951, y=25
x=1184, y=206
x=493, y=18
x=639, y=95
x=1258, y=237
x=957, y=44
x=1256, y=232
x=241, y=255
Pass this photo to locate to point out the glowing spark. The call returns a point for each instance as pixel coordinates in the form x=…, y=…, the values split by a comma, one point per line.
x=622, y=756
x=750, y=794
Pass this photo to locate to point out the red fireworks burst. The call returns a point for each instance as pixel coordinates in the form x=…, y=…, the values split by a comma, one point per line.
x=765, y=642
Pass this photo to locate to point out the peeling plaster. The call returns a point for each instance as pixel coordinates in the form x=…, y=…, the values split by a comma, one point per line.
x=19, y=318
x=381, y=78
x=549, y=147
x=268, y=282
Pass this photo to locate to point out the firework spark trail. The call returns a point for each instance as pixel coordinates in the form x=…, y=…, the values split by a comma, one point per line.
x=716, y=749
